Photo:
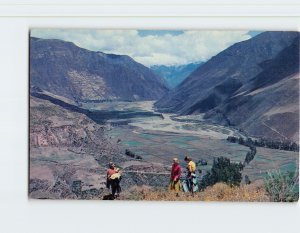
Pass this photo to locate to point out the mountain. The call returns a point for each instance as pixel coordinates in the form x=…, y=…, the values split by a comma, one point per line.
x=174, y=75
x=253, y=85
x=67, y=70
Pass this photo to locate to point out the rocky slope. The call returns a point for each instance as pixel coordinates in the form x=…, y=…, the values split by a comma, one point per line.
x=64, y=69
x=174, y=75
x=253, y=85
x=69, y=154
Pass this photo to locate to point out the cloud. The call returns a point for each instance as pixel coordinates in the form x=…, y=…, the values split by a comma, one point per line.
x=150, y=48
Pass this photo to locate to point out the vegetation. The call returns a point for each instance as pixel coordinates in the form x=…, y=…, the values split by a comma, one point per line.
x=218, y=192
x=132, y=155
x=249, y=143
x=250, y=155
x=223, y=171
x=262, y=142
x=201, y=162
x=282, y=187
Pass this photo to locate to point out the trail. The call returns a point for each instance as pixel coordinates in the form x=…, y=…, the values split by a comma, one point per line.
x=274, y=130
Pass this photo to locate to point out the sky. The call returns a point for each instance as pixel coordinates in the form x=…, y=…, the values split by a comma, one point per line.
x=151, y=47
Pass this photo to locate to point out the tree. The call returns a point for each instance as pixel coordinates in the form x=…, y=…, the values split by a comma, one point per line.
x=132, y=155
x=241, y=141
x=232, y=139
x=250, y=155
x=223, y=171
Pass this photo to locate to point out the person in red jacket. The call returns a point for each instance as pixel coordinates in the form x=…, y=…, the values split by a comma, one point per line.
x=175, y=184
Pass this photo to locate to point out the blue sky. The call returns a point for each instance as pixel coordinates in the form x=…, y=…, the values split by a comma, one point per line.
x=151, y=47
x=144, y=33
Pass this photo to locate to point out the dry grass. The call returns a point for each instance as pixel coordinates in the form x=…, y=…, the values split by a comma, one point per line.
x=219, y=192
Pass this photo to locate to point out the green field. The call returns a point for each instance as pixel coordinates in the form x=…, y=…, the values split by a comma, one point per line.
x=269, y=160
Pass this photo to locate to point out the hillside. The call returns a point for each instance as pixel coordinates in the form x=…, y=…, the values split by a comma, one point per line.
x=69, y=154
x=253, y=85
x=67, y=70
x=174, y=75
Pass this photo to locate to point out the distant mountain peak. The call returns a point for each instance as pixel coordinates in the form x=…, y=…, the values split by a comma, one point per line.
x=175, y=74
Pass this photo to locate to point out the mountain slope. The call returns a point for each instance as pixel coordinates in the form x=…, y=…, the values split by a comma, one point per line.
x=253, y=85
x=174, y=75
x=66, y=70
x=69, y=154
x=270, y=104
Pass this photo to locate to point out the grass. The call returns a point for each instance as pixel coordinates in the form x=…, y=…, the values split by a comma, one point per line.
x=282, y=187
x=219, y=192
x=132, y=143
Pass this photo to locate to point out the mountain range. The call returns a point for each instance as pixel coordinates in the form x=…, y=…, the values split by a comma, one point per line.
x=252, y=85
x=175, y=74
x=67, y=70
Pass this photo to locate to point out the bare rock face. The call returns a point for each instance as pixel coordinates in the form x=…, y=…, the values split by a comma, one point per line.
x=81, y=75
x=53, y=126
x=253, y=85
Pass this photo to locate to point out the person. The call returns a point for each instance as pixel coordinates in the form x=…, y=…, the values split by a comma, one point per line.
x=175, y=184
x=192, y=180
x=113, y=180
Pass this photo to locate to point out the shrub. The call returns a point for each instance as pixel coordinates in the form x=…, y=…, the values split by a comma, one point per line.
x=129, y=153
x=223, y=171
x=132, y=155
x=201, y=162
x=282, y=187
x=232, y=139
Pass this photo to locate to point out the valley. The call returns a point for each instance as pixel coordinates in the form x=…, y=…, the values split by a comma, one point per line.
x=161, y=138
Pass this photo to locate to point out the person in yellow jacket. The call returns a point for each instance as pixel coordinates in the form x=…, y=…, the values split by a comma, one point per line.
x=191, y=176
x=191, y=165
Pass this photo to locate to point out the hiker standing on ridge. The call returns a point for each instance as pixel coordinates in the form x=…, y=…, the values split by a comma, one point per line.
x=175, y=184
x=192, y=180
x=113, y=180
